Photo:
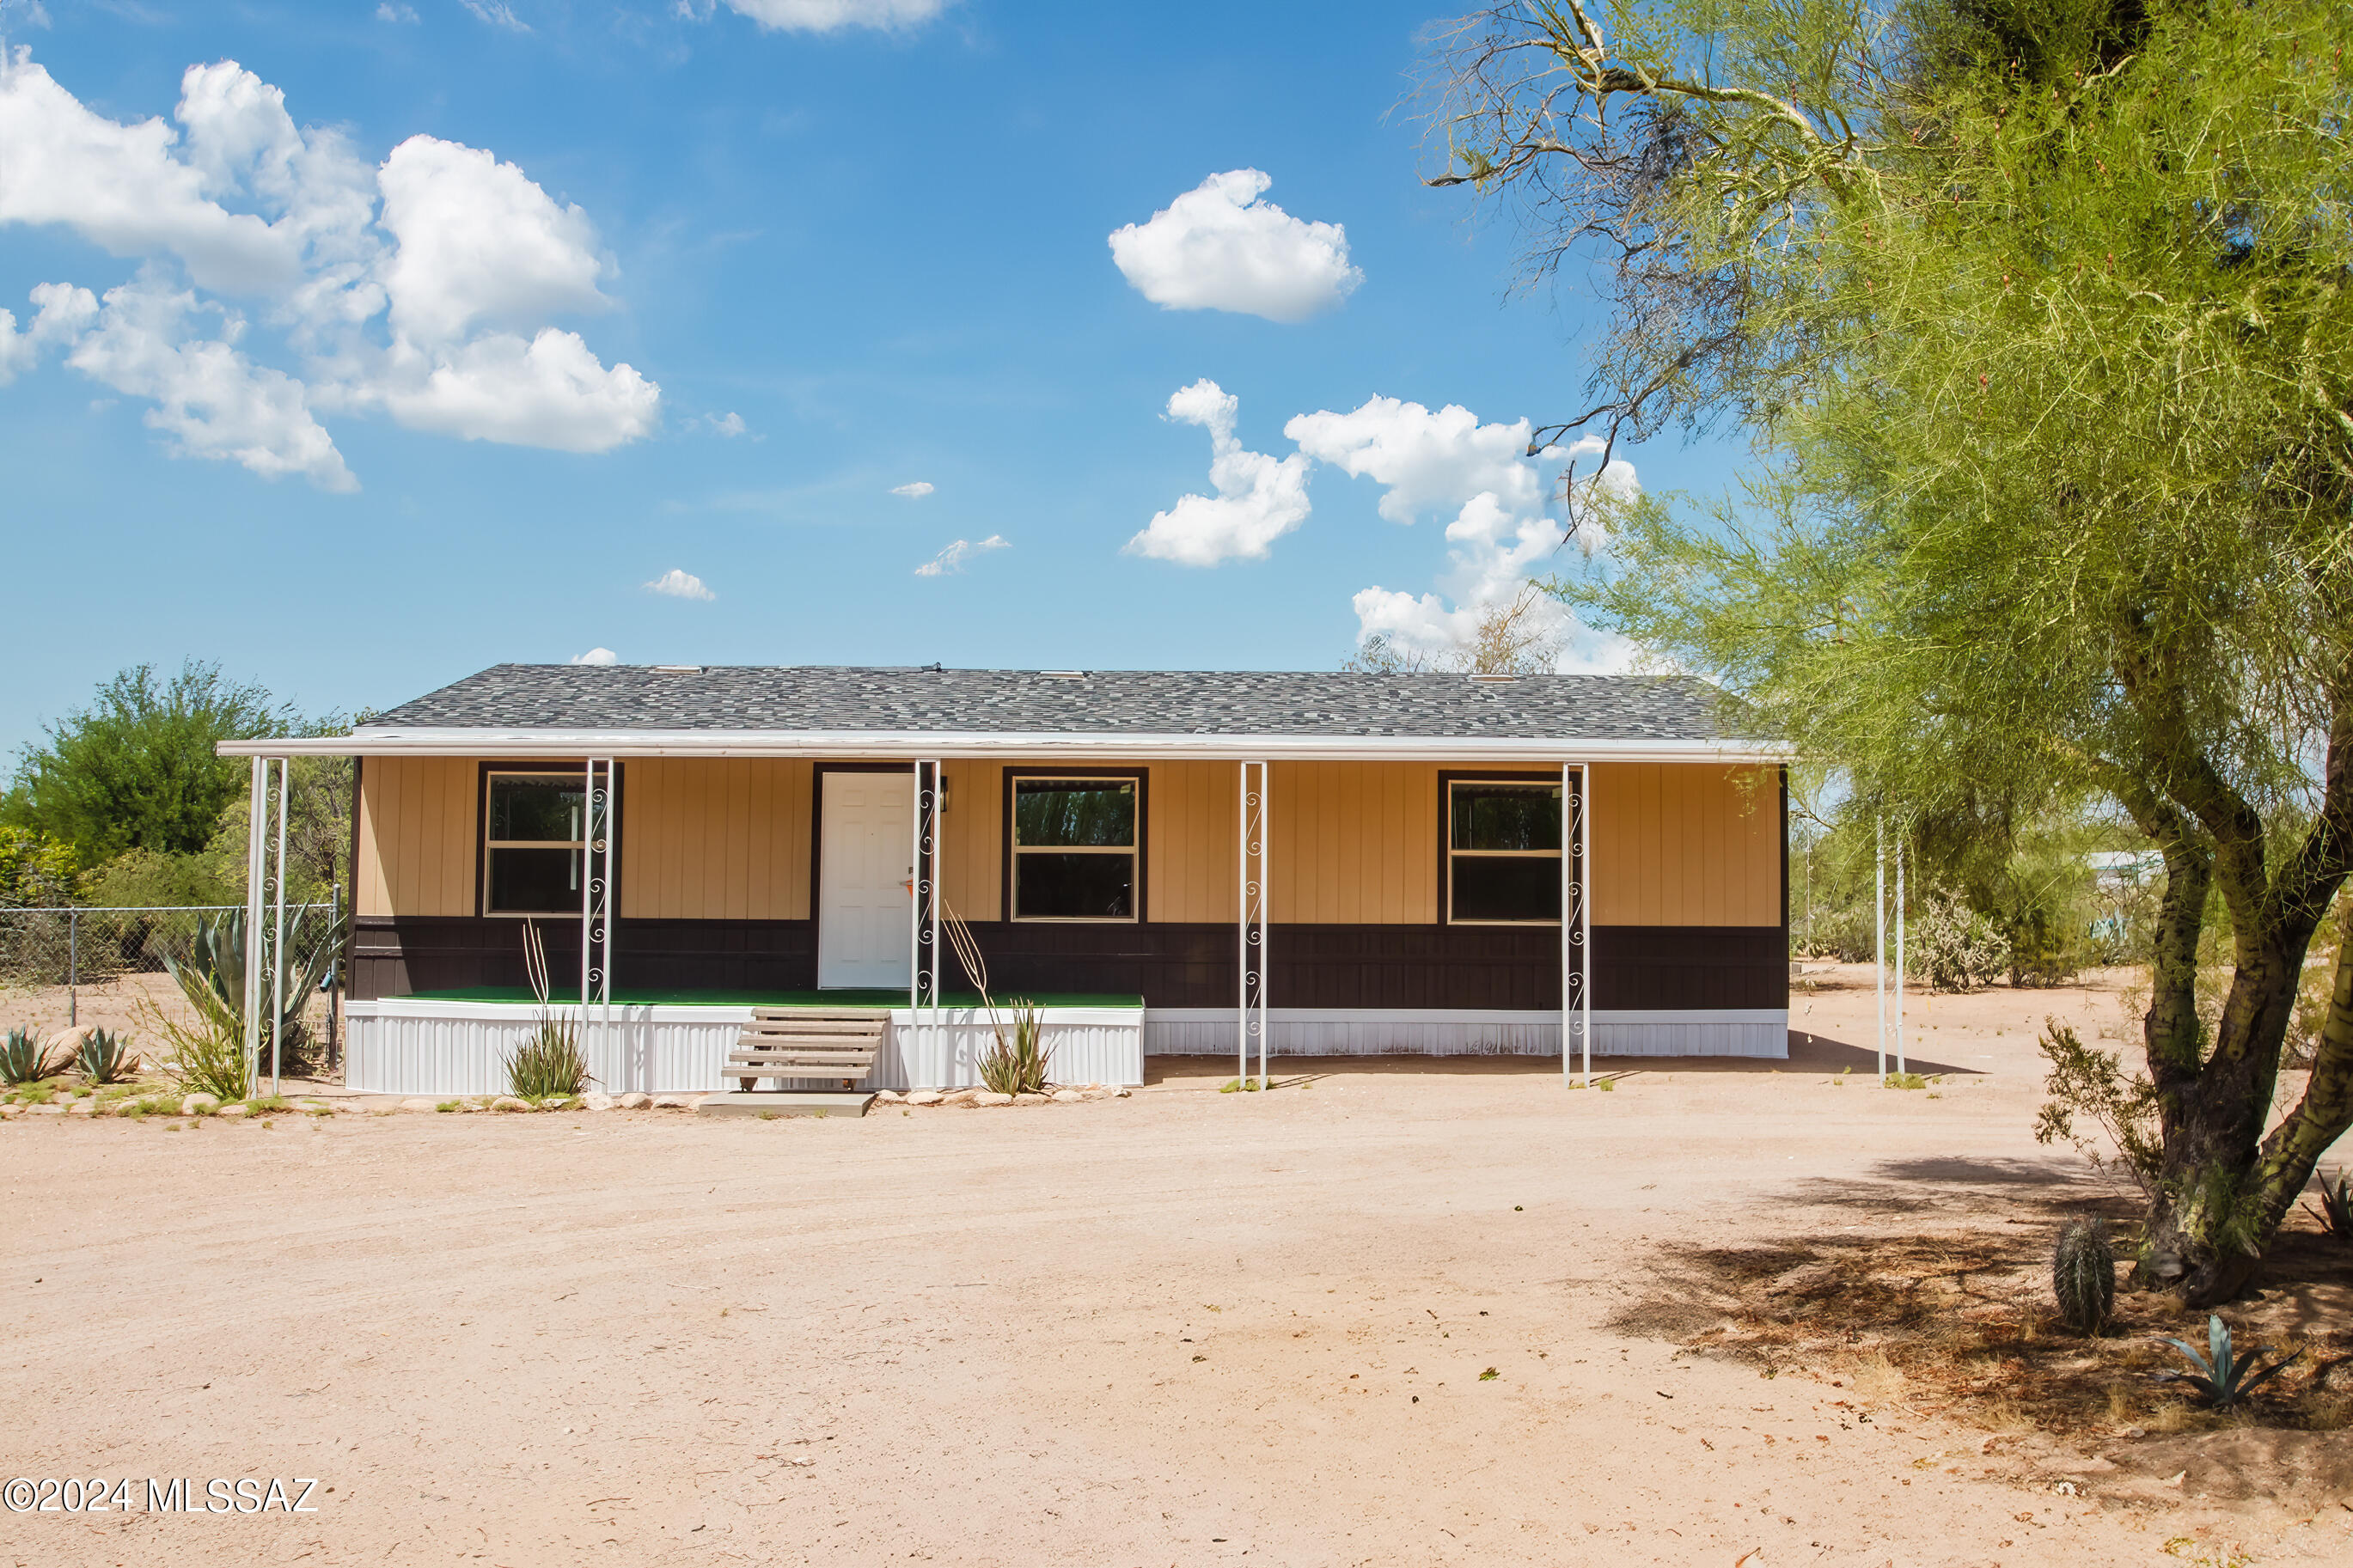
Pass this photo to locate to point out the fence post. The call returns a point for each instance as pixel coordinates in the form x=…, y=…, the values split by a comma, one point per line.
x=73, y=969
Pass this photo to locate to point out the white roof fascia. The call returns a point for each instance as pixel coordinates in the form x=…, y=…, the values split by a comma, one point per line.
x=853, y=745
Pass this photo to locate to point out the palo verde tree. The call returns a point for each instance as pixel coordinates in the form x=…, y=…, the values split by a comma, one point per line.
x=135, y=769
x=2041, y=315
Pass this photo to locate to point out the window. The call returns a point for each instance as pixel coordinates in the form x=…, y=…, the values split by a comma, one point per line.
x=535, y=827
x=1074, y=849
x=1503, y=853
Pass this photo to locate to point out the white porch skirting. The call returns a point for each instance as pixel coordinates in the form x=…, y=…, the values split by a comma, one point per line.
x=410, y=1046
x=1492, y=1032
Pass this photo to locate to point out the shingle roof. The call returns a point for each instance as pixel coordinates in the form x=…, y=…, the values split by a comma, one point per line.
x=825, y=697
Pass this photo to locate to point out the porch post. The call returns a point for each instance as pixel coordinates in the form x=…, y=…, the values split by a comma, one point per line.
x=1576, y=917
x=277, y=939
x=600, y=840
x=1254, y=841
x=923, y=916
x=257, y=825
x=1879, y=933
x=1900, y=1066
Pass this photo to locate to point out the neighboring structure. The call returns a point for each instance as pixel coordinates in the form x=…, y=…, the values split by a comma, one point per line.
x=1300, y=864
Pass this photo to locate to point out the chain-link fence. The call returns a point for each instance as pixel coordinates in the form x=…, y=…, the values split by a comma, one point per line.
x=74, y=948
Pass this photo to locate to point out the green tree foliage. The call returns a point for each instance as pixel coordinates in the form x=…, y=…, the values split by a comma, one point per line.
x=136, y=769
x=2038, y=310
x=35, y=872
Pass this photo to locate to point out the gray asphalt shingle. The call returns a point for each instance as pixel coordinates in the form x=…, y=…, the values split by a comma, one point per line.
x=802, y=698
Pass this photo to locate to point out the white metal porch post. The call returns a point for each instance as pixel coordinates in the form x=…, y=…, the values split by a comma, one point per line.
x=923, y=918
x=1900, y=1066
x=265, y=940
x=600, y=841
x=1879, y=934
x=1255, y=839
x=277, y=939
x=1576, y=917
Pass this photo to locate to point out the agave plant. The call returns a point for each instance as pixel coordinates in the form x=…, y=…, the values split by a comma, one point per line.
x=1016, y=1065
x=104, y=1056
x=2335, y=1209
x=211, y=974
x=26, y=1058
x=2222, y=1377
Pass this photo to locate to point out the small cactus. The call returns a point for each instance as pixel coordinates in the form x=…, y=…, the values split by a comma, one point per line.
x=2083, y=1275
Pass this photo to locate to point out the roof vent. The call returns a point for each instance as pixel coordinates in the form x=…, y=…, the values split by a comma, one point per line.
x=1494, y=679
x=1063, y=674
x=678, y=670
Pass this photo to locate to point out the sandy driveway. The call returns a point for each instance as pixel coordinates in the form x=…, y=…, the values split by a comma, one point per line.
x=1183, y=1327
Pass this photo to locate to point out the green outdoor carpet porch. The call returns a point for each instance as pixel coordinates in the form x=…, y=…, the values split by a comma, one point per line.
x=627, y=997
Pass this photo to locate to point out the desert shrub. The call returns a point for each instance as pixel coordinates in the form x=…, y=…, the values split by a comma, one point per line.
x=1016, y=1063
x=2083, y=1275
x=207, y=1058
x=104, y=1056
x=2041, y=952
x=549, y=1064
x=1959, y=948
x=2092, y=1084
x=26, y=1058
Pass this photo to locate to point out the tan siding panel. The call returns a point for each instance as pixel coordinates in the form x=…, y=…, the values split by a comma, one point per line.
x=1686, y=844
x=723, y=839
x=1355, y=843
x=1194, y=808
x=416, y=836
x=973, y=832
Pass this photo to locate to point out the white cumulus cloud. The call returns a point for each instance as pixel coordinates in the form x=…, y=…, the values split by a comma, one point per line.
x=679, y=585
x=829, y=15
x=61, y=314
x=211, y=401
x=915, y=491
x=1260, y=499
x=597, y=655
x=477, y=242
x=422, y=288
x=1499, y=534
x=1218, y=247
x=953, y=558
x=388, y=12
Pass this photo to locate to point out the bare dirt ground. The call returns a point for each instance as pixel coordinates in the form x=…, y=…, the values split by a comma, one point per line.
x=1406, y=1312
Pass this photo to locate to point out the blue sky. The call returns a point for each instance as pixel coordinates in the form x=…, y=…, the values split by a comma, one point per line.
x=343, y=406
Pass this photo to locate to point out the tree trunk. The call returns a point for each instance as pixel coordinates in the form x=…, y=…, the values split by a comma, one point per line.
x=2223, y=1188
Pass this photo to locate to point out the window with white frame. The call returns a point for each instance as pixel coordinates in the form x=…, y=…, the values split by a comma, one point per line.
x=1074, y=843
x=1502, y=852
x=535, y=827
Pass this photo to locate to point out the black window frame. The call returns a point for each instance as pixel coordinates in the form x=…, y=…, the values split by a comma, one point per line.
x=1010, y=851
x=490, y=768
x=1569, y=788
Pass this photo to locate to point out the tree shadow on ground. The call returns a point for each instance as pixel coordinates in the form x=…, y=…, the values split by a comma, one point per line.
x=1954, y=1317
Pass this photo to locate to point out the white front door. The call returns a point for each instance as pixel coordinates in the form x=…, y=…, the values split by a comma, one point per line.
x=866, y=823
